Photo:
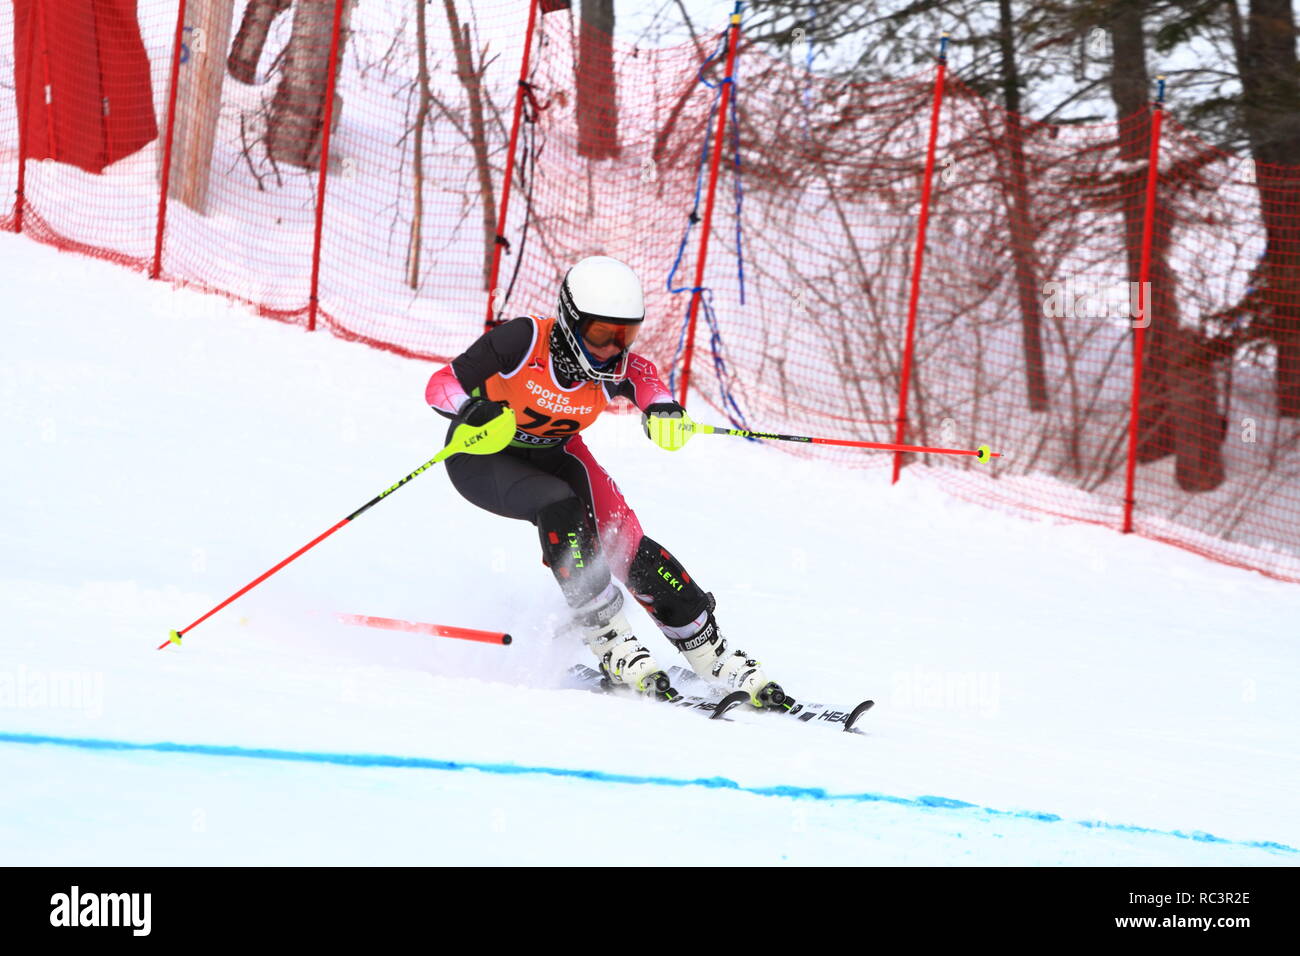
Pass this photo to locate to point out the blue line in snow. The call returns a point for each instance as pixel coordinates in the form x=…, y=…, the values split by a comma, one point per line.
x=714, y=783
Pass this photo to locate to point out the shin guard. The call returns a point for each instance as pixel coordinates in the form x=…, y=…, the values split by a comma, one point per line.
x=569, y=549
x=664, y=587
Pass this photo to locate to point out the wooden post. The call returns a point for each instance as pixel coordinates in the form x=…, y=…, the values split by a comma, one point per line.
x=206, y=39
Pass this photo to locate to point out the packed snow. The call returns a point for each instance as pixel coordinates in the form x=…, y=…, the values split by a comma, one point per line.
x=1046, y=694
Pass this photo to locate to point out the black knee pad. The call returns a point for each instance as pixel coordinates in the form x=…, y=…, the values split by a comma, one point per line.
x=659, y=581
x=569, y=549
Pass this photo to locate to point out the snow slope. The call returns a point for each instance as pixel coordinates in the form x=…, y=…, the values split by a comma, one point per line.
x=1045, y=694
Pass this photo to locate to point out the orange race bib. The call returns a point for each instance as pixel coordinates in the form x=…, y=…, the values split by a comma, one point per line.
x=545, y=413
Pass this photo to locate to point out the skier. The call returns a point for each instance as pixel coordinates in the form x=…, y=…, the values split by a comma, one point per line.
x=557, y=374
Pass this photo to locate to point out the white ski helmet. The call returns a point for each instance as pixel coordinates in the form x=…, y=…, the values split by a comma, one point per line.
x=600, y=303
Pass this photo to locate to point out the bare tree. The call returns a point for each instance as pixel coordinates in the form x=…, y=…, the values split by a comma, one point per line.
x=471, y=77
x=246, y=50
x=417, y=148
x=597, y=99
x=1022, y=230
x=1131, y=89
x=295, y=126
x=1262, y=116
x=1177, y=410
x=1270, y=80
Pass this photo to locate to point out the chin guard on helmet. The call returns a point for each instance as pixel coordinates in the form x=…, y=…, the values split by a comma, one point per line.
x=600, y=301
x=581, y=363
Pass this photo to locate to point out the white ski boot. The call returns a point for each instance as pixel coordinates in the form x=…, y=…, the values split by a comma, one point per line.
x=709, y=655
x=623, y=658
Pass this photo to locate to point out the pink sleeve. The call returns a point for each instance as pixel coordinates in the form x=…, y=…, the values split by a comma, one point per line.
x=444, y=391
x=647, y=388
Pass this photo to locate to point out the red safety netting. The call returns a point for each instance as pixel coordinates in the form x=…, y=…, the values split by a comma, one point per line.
x=1028, y=301
x=1215, y=456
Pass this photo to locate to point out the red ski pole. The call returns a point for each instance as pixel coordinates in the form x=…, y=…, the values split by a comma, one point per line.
x=982, y=454
x=483, y=440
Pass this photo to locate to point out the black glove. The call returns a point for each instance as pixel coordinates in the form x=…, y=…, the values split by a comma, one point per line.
x=479, y=411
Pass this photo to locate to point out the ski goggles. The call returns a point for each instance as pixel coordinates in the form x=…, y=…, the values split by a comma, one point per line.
x=598, y=333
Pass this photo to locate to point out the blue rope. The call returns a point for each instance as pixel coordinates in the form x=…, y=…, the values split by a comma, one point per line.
x=722, y=45
x=681, y=252
x=728, y=400
x=739, y=189
x=727, y=397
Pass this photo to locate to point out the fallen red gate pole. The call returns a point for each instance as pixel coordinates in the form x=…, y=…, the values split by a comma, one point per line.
x=435, y=630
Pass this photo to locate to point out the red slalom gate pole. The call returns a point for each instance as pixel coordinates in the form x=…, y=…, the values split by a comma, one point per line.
x=499, y=244
x=1145, y=297
x=156, y=269
x=328, y=119
x=436, y=630
x=715, y=162
x=918, y=257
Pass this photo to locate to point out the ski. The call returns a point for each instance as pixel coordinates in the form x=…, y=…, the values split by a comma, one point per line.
x=828, y=714
x=806, y=712
x=700, y=694
x=590, y=679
